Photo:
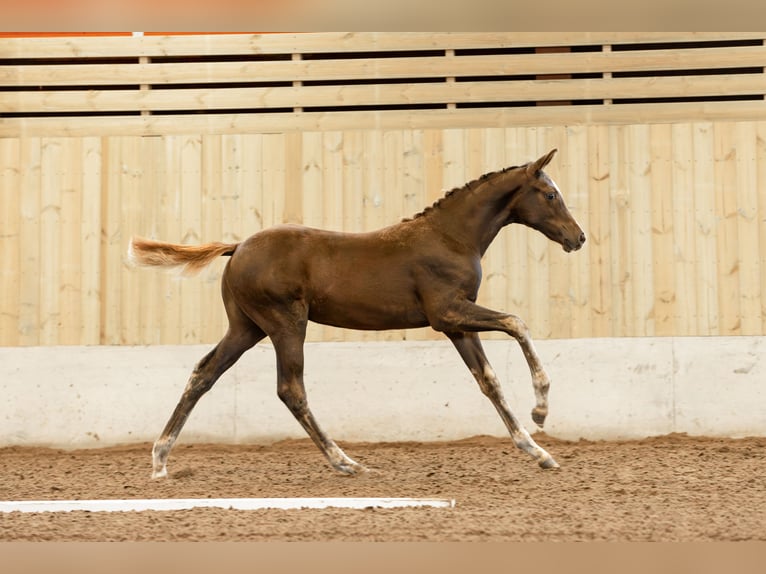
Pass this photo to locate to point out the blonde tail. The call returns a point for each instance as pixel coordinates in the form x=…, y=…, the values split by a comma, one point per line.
x=193, y=258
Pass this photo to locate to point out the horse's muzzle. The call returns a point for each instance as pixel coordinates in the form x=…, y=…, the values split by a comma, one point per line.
x=570, y=245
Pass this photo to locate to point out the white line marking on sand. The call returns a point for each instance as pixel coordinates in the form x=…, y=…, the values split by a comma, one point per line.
x=137, y=505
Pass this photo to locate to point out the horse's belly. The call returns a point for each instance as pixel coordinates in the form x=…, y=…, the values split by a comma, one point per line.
x=369, y=315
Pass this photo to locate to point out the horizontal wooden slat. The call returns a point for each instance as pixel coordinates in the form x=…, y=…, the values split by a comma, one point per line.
x=380, y=95
x=156, y=125
x=157, y=46
x=383, y=68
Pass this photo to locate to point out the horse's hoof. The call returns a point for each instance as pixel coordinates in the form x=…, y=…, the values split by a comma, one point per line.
x=352, y=469
x=538, y=415
x=162, y=473
x=548, y=463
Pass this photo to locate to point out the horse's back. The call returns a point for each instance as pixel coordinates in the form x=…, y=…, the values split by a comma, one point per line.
x=353, y=280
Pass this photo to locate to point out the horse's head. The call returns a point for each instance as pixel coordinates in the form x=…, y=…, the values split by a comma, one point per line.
x=539, y=205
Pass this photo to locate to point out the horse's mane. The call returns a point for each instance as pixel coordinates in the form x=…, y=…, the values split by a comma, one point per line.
x=466, y=186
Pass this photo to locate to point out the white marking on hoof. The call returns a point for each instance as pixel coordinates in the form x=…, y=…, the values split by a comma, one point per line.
x=548, y=463
x=162, y=473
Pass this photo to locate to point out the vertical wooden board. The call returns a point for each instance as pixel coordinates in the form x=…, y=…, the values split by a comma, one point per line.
x=190, y=199
x=686, y=272
x=311, y=162
x=621, y=233
x=433, y=162
x=353, y=191
x=111, y=288
x=332, y=180
x=213, y=315
x=413, y=181
x=272, y=184
x=30, y=177
x=598, y=244
x=662, y=236
x=293, y=179
x=641, y=271
x=255, y=202
x=10, y=239
x=761, y=186
x=231, y=188
x=454, y=166
x=132, y=176
x=747, y=213
x=707, y=230
x=90, y=241
x=725, y=177
x=70, y=317
x=52, y=166
x=373, y=203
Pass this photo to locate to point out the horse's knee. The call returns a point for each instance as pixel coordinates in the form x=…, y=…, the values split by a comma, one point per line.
x=516, y=327
x=292, y=395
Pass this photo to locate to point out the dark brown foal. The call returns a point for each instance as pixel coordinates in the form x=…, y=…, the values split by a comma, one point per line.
x=422, y=271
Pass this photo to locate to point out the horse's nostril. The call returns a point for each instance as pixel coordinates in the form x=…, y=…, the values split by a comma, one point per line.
x=582, y=238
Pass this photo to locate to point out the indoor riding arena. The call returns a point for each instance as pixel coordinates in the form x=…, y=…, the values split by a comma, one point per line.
x=647, y=350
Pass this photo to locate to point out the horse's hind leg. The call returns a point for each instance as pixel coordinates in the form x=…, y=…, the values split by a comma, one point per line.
x=470, y=349
x=290, y=389
x=240, y=337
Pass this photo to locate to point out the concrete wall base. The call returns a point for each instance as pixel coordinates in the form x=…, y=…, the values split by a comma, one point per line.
x=79, y=397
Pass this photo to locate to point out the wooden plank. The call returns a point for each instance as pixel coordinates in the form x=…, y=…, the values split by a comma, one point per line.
x=706, y=220
x=640, y=241
x=331, y=42
x=684, y=229
x=726, y=210
x=598, y=233
x=30, y=102
x=29, y=234
x=293, y=178
x=90, y=229
x=662, y=234
x=51, y=165
x=130, y=178
x=384, y=119
x=10, y=240
x=760, y=158
x=621, y=232
x=749, y=256
x=382, y=68
x=70, y=295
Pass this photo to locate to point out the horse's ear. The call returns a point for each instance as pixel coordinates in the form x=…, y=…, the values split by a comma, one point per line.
x=536, y=166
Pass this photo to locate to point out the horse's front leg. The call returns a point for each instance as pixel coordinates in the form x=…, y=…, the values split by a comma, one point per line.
x=470, y=349
x=466, y=316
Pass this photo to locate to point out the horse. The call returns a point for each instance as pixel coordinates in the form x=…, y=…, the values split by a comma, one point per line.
x=423, y=271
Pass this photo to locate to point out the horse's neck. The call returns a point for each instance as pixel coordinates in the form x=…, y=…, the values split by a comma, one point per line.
x=477, y=214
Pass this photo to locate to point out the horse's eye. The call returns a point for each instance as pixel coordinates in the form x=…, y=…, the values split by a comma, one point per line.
x=550, y=196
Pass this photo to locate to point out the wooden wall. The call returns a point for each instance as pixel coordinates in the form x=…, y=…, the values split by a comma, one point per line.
x=672, y=194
